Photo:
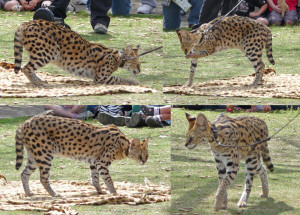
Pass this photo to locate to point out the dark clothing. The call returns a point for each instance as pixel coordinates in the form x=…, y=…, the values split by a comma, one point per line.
x=211, y=8
x=60, y=7
x=248, y=6
x=99, y=9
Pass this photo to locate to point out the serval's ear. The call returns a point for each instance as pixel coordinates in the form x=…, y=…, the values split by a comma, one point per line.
x=128, y=50
x=144, y=144
x=183, y=35
x=191, y=120
x=201, y=122
x=136, y=49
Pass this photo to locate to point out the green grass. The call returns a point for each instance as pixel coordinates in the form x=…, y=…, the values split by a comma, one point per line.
x=194, y=176
x=157, y=169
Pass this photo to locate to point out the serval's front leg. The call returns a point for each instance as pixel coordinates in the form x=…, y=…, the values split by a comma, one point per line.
x=232, y=167
x=102, y=167
x=192, y=71
x=113, y=80
x=221, y=173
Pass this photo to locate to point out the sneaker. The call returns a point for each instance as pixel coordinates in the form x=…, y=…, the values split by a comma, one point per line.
x=17, y=8
x=43, y=14
x=106, y=119
x=71, y=8
x=136, y=120
x=153, y=122
x=100, y=28
x=84, y=115
x=82, y=2
x=145, y=9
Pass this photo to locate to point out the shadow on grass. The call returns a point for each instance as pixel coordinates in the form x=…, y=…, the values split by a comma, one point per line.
x=270, y=205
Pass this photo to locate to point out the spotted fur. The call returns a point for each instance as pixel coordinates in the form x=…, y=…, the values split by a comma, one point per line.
x=239, y=131
x=47, y=42
x=45, y=137
x=232, y=32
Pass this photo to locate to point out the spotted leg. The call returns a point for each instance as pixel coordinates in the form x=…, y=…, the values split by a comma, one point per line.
x=221, y=172
x=102, y=168
x=232, y=167
x=28, y=170
x=192, y=71
x=95, y=178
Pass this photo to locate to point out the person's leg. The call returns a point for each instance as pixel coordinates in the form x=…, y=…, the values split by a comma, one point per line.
x=209, y=11
x=227, y=6
x=193, y=18
x=147, y=7
x=99, y=11
x=274, y=18
x=262, y=21
x=152, y=3
x=60, y=7
x=121, y=7
x=77, y=109
x=172, y=18
x=165, y=116
x=10, y=4
x=290, y=17
x=60, y=111
x=152, y=111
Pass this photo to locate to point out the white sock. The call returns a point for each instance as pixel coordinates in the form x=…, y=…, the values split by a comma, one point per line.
x=156, y=111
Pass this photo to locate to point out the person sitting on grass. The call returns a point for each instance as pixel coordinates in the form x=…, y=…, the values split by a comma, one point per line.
x=82, y=112
x=247, y=8
x=290, y=17
x=140, y=115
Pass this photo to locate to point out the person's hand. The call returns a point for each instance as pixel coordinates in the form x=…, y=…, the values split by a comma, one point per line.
x=266, y=108
x=33, y=3
x=26, y=6
x=167, y=2
x=253, y=14
x=277, y=8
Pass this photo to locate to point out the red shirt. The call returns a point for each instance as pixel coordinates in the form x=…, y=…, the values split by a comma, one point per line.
x=291, y=3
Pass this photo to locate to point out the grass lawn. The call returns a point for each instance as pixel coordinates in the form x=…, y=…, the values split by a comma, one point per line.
x=194, y=176
x=157, y=169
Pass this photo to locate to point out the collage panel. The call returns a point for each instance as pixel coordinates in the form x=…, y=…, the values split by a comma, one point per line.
x=80, y=65
x=128, y=146
x=208, y=177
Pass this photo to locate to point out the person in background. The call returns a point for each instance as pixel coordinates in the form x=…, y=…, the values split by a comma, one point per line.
x=211, y=8
x=247, y=8
x=172, y=14
x=290, y=17
x=81, y=112
x=100, y=20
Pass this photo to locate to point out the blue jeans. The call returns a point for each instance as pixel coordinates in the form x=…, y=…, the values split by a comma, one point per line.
x=172, y=19
x=121, y=7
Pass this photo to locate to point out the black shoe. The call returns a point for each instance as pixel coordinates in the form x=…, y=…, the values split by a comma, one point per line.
x=106, y=119
x=136, y=120
x=46, y=14
x=153, y=122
